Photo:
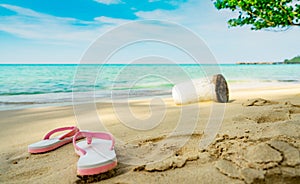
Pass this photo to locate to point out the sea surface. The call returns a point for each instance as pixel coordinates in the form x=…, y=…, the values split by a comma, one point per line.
x=34, y=85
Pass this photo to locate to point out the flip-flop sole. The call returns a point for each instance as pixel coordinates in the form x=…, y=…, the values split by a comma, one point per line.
x=49, y=147
x=97, y=170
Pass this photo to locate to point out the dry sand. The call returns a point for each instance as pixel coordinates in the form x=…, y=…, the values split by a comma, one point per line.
x=258, y=141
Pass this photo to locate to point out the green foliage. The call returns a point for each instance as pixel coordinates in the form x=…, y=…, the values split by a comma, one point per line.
x=295, y=60
x=262, y=13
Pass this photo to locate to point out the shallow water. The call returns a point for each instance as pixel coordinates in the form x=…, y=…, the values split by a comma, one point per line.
x=23, y=86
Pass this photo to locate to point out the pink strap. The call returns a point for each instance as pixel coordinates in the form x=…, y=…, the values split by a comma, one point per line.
x=73, y=131
x=90, y=135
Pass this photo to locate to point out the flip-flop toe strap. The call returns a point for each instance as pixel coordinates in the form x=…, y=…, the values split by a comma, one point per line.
x=73, y=131
x=89, y=137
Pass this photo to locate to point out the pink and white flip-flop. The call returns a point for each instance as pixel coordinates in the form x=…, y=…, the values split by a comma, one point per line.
x=49, y=144
x=97, y=154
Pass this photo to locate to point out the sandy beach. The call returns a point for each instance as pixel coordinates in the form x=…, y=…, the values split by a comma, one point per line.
x=258, y=141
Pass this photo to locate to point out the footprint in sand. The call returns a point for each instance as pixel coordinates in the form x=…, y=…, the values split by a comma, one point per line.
x=258, y=102
x=290, y=153
x=266, y=115
x=265, y=111
x=179, y=155
x=259, y=161
x=231, y=170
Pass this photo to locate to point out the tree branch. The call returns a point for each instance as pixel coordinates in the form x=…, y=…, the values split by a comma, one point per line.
x=253, y=14
x=289, y=18
x=262, y=14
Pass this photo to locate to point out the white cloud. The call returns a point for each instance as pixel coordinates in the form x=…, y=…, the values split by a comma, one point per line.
x=229, y=45
x=190, y=13
x=159, y=15
x=109, y=20
x=109, y=2
x=30, y=24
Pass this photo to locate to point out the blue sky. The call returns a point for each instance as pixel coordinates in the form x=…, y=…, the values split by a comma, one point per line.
x=60, y=31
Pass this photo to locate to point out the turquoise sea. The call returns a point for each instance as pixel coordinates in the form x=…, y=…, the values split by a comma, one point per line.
x=35, y=85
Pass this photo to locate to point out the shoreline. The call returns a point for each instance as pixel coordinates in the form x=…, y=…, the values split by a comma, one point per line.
x=245, y=131
x=23, y=104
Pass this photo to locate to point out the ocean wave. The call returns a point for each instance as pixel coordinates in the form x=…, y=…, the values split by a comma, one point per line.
x=263, y=81
x=31, y=85
x=61, y=99
x=18, y=103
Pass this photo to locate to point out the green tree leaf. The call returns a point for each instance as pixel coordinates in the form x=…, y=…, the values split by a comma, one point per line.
x=261, y=14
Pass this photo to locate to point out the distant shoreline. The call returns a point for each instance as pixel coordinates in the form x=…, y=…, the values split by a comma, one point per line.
x=264, y=63
x=295, y=60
